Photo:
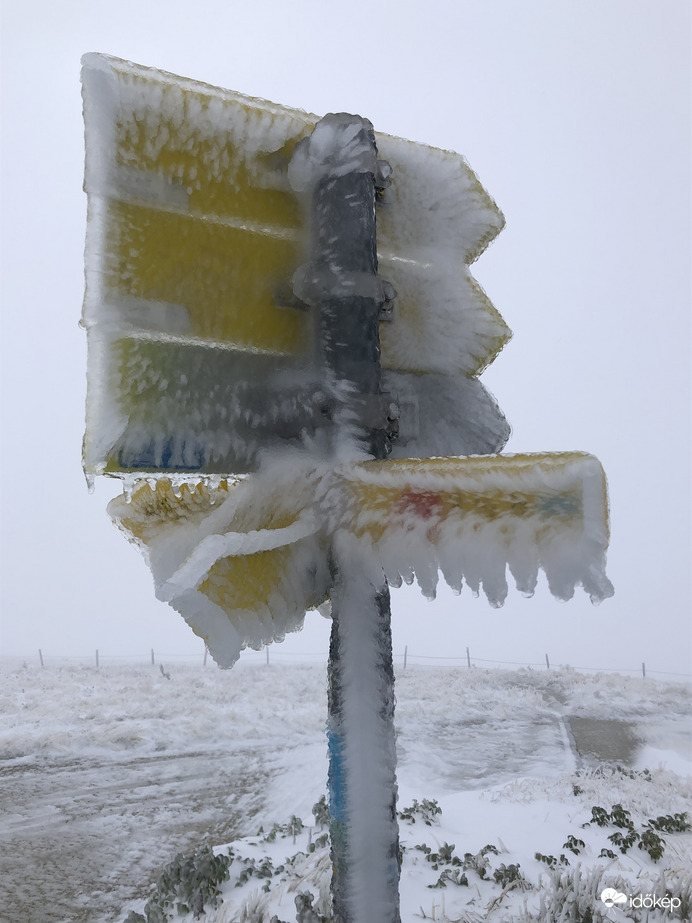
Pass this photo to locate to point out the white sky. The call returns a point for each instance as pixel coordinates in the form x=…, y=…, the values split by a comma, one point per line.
x=576, y=117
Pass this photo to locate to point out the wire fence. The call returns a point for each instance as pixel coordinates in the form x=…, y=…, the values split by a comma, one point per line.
x=402, y=660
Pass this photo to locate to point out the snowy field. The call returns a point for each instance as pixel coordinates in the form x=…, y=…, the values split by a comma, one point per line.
x=106, y=775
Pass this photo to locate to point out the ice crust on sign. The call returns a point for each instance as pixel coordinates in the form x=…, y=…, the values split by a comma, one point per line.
x=435, y=220
x=194, y=235
x=201, y=362
x=242, y=563
x=442, y=415
x=473, y=519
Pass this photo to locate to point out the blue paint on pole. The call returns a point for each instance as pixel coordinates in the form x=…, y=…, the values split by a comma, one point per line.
x=337, y=776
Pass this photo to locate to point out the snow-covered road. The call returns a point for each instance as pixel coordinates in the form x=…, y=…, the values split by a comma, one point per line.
x=105, y=776
x=81, y=835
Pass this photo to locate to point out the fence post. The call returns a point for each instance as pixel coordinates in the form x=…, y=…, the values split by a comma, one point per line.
x=547, y=661
x=205, y=655
x=97, y=658
x=643, y=669
x=405, y=655
x=468, y=658
x=40, y=656
x=152, y=656
x=267, y=655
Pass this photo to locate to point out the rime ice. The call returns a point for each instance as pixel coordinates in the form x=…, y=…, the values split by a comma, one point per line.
x=242, y=563
x=195, y=233
x=272, y=294
x=203, y=361
x=474, y=519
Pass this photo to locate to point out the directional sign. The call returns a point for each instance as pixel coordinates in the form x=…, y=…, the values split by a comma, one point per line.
x=443, y=414
x=435, y=220
x=251, y=307
x=194, y=235
x=201, y=356
x=474, y=518
x=243, y=563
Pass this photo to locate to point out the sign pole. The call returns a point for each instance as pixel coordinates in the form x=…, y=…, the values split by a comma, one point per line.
x=338, y=165
x=362, y=755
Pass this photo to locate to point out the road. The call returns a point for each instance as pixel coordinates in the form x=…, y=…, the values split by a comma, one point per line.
x=80, y=838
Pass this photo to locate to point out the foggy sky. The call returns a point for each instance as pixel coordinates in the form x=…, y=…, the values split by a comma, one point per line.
x=576, y=117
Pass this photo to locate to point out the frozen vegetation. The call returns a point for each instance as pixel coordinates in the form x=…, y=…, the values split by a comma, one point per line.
x=106, y=776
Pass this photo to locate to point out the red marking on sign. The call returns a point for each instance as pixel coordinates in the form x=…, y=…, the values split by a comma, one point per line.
x=423, y=503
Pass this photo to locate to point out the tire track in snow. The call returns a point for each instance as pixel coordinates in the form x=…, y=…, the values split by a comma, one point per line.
x=80, y=838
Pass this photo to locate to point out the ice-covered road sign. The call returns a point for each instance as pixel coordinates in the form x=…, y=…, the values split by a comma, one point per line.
x=199, y=352
x=472, y=519
x=241, y=297
x=242, y=565
x=201, y=356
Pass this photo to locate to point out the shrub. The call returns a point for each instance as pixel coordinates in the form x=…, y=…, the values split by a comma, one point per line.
x=186, y=885
x=427, y=810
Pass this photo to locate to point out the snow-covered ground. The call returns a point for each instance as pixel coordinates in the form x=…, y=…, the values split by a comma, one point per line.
x=106, y=775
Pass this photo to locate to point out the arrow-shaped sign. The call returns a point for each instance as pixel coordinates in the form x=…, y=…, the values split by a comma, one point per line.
x=194, y=235
x=242, y=563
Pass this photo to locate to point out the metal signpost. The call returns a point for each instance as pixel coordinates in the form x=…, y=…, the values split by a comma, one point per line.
x=266, y=297
x=338, y=166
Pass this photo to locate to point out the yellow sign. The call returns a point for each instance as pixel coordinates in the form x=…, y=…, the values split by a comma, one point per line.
x=194, y=234
x=243, y=562
x=475, y=518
